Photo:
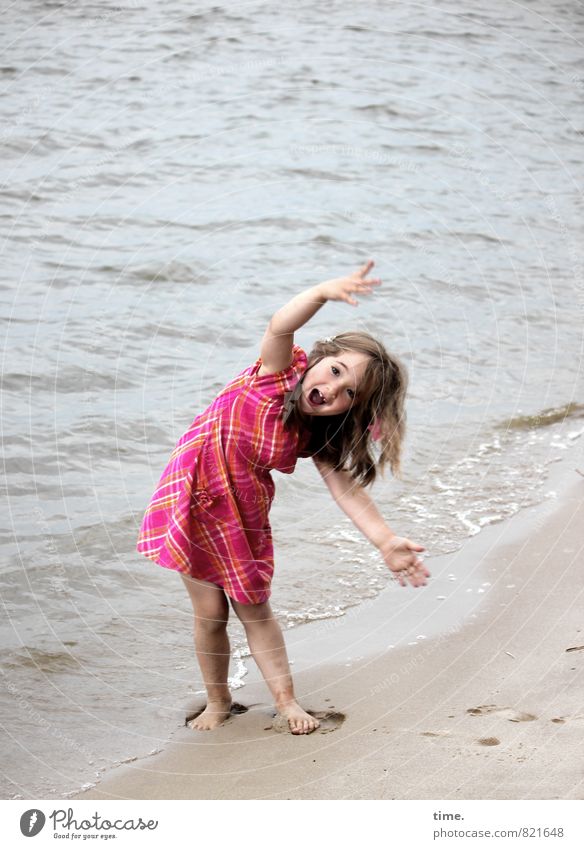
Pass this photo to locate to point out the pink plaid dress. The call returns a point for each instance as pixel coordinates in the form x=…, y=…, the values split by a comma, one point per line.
x=208, y=517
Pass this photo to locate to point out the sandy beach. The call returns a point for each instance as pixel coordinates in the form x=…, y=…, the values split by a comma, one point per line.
x=490, y=707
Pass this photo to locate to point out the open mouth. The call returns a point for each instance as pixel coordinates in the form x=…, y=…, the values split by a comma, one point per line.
x=316, y=398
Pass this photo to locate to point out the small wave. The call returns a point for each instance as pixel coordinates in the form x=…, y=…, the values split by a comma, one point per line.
x=544, y=418
x=471, y=236
x=463, y=35
x=68, y=379
x=434, y=131
x=323, y=239
x=44, y=661
x=213, y=15
x=315, y=174
x=430, y=148
x=315, y=613
x=278, y=221
x=380, y=109
x=172, y=272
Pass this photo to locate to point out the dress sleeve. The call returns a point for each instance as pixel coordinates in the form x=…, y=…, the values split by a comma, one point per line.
x=276, y=385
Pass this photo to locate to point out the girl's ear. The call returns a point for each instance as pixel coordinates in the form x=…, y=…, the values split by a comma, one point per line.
x=375, y=429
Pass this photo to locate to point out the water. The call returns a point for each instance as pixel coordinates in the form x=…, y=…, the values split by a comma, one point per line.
x=171, y=173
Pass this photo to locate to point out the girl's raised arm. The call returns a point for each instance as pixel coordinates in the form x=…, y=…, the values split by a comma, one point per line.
x=276, y=349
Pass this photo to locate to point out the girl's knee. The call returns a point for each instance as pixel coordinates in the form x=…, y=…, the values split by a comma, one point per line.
x=251, y=614
x=209, y=623
x=209, y=603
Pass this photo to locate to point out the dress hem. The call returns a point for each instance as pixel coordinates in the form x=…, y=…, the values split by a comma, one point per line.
x=155, y=559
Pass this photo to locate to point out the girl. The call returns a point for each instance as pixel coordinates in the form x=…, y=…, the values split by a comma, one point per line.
x=208, y=518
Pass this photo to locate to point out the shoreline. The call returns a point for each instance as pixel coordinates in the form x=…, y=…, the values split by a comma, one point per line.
x=489, y=705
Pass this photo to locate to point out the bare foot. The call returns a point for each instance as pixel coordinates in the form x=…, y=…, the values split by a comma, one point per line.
x=299, y=721
x=214, y=715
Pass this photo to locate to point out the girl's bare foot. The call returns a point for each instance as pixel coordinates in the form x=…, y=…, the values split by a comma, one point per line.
x=299, y=721
x=214, y=715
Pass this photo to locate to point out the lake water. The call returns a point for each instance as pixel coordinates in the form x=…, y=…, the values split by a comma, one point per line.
x=171, y=174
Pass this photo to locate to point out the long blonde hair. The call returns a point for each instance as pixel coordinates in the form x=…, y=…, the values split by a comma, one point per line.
x=346, y=441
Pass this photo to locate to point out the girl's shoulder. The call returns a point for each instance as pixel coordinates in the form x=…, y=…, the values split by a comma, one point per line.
x=281, y=381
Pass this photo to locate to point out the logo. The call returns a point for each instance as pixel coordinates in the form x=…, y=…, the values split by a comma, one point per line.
x=31, y=822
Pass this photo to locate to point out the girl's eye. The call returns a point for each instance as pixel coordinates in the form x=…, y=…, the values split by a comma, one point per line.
x=336, y=373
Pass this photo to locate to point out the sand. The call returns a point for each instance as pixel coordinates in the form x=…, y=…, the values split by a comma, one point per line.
x=489, y=705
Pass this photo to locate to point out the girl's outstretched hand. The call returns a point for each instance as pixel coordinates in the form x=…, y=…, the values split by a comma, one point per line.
x=401, y=555
x=343, y=288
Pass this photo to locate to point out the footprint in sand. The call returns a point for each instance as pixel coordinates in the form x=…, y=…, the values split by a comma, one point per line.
x=236, y=709
x=434, y=733
x=489, y=741
x=329, y=721
x=505, y=713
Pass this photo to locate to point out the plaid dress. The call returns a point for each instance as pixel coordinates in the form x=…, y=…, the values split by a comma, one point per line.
x=208, y=517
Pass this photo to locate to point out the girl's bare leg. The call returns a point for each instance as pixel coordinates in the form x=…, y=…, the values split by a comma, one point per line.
x=213, y=651
x=266, y=643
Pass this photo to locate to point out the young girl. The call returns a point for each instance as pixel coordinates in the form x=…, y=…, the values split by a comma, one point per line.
x=208, y=518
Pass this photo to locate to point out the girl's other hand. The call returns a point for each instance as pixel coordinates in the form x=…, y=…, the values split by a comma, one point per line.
x=343, y=288
x=401, y=555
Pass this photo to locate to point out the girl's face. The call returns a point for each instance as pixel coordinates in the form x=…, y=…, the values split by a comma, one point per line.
x=331, y=386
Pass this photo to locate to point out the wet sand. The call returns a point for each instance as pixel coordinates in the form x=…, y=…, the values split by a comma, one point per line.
x=492, y=707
